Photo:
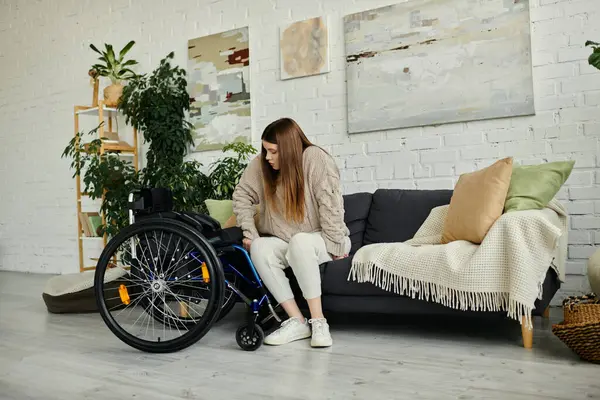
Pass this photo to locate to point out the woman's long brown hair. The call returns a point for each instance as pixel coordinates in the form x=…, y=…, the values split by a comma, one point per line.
x=291, y=142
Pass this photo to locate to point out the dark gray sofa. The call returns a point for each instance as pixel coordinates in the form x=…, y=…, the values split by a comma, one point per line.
x=390, y=215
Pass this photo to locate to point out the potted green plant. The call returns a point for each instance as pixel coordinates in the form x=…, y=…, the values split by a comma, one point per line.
x=103, y=174
x=156, y=104
x=115, y=68
x=224, y=175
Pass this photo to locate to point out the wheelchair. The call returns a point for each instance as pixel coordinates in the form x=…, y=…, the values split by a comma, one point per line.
x=165, y=279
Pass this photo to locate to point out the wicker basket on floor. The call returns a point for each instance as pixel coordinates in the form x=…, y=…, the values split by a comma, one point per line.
x=580, y=329
x=579, y=309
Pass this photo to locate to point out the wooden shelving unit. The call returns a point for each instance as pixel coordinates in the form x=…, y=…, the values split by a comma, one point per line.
x=103, y=113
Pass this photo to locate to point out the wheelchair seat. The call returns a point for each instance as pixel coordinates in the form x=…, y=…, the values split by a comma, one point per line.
x=209, y=224
x=212, y=230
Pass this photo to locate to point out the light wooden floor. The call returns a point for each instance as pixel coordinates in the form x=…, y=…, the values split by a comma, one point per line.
x=46, y=356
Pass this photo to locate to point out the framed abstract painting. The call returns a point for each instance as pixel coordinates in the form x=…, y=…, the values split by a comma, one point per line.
x=429, y=62
x=304, y=48
x=219, y=88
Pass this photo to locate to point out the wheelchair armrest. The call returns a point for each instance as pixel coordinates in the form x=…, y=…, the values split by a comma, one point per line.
x=205, y=220
x=233, y=235
x=227, y=237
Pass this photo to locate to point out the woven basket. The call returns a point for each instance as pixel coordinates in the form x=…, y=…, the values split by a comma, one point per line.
x=578, y=309
x=580, y=330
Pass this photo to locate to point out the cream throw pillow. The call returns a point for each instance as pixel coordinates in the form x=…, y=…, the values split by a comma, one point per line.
x=477, y=202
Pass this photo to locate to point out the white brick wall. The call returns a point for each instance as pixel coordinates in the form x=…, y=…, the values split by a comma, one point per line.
x=44, y=58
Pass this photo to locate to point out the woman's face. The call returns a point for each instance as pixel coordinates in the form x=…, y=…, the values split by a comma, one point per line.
x=272, y=154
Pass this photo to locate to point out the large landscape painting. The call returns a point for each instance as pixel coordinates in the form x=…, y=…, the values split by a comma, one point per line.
x=219, y=87
x=427, y=62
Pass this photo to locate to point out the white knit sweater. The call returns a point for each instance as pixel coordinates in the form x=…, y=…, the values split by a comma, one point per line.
x=324, y=206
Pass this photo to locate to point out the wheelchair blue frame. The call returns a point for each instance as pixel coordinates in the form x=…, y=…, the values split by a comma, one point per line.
x=257, y=282
x=254, y=305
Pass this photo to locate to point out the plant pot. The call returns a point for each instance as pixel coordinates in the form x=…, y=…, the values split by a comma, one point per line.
x=593, y=272
x=112, y=94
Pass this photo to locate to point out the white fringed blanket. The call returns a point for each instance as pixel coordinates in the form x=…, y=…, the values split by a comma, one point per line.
x=504, y=273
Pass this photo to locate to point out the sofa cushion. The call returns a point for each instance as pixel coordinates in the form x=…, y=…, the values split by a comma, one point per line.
x=396, y=214
x=356, y=211
x=533, y=186
x=477, y=202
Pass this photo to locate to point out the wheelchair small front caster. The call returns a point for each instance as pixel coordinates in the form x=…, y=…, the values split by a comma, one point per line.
x=250, y=341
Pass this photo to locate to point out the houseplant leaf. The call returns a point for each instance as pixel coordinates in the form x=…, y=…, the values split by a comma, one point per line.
x=125, y=49
x=594, y=58
x=95, y=49
x=110, y=55
x=128, y=63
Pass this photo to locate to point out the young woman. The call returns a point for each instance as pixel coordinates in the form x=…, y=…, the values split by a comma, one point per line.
x=296, y=186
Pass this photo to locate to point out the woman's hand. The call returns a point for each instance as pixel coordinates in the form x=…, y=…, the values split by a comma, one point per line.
x=340, y=257
x=247, y=243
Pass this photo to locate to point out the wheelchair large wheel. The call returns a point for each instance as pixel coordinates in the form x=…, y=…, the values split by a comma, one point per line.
x=171, y=286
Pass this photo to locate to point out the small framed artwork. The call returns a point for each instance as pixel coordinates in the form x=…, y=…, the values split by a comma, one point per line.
x=304, y=48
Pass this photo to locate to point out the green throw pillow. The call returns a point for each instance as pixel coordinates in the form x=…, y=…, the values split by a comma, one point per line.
x=533, y=186
x=220, y=210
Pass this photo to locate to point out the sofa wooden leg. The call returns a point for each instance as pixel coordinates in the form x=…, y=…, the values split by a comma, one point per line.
x=546, y=313
x=527, y=334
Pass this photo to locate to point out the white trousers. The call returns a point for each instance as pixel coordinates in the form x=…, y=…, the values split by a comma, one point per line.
x=304, y=253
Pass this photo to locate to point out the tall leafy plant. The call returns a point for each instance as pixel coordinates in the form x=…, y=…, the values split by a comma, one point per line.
x=156, y=105
x=594, y=58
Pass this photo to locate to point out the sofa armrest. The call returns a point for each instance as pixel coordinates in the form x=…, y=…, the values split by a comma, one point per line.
x=356, y=212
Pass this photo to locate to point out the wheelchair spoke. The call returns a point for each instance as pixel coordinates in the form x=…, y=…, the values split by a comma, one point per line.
x=172, y=313
x=151, y=255
x=133, y=303
x=148, y=264
x=172, y=268
x=179, y=284
x=152, y=317
x=146, y=306
x=167, y=250
x=180, y=299
x=166, y=272
x=159, y=248
x=190, y=273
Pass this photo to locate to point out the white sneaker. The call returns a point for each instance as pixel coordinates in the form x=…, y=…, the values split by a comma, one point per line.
x=320, y=333
x=291, y=329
